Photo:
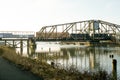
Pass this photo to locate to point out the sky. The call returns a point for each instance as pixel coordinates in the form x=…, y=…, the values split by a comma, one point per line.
x=32, y=15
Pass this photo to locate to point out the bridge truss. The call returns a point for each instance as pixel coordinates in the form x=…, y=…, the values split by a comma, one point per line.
x=82, y=30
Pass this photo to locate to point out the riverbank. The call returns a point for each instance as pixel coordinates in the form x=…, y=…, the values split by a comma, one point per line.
x=49, y=72
x=9, y=71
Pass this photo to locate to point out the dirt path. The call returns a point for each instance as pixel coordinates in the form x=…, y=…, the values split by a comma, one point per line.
x=8, y=71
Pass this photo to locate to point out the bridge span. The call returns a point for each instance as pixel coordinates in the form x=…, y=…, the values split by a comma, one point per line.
x=89, y=30
x=17, y=34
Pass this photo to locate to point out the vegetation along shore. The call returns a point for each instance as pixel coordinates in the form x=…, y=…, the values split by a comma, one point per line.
x=50, y=72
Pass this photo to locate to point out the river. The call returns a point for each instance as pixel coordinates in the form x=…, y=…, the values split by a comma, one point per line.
x=80, y=57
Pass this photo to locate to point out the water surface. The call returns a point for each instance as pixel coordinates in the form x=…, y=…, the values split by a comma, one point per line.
x=80, y=57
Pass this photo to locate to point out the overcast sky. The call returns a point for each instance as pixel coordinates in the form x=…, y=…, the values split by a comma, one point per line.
x=31, y=15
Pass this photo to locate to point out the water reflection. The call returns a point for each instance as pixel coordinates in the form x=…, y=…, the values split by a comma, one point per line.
x=80, y=57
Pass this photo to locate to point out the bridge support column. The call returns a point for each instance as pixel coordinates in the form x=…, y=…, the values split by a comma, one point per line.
x=21, y=47
x=5, y=42
x=33, y=46
x=13, y=44
x=28, y=45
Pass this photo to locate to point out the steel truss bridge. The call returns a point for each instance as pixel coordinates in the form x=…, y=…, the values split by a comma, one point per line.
x=89, y=30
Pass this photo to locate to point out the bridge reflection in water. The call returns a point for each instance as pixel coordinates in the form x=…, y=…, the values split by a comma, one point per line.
x=79, y=57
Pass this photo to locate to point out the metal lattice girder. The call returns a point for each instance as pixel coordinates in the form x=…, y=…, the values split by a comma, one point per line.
x=114, y=27
x=51, y=31
x=81, y=27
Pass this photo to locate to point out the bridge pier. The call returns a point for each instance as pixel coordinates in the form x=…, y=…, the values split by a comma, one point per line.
x=13, y=43
x=5, y=42
x=21, y=47
x=32, y=45
x=28, y=45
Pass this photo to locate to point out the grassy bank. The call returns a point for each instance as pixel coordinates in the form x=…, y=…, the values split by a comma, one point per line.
x=49, y=72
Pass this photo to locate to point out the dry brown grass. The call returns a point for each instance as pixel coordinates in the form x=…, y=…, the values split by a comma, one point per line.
x=47, y=71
